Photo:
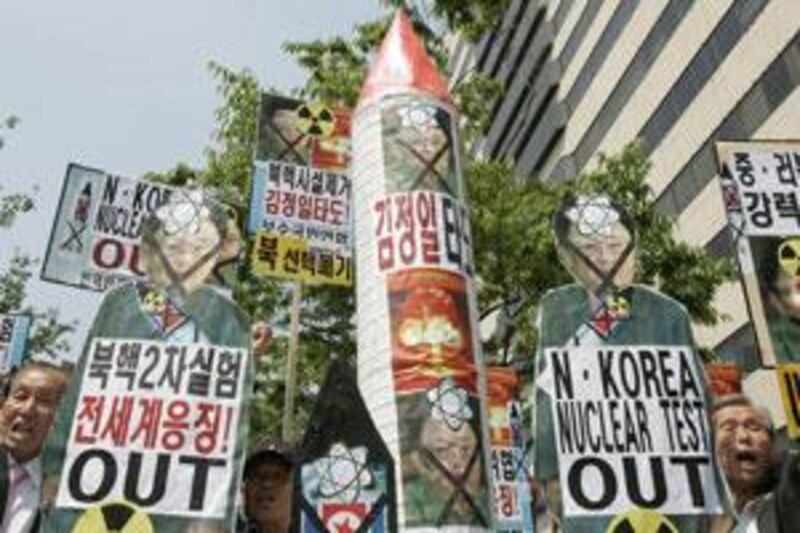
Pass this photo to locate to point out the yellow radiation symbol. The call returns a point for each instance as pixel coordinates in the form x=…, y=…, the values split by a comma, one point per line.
x=314, y=119
x=638, y=520
x=115, y=517
x=619, y=306
x=789, y=257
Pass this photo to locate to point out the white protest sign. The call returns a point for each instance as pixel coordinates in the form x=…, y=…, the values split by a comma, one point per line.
x=156, y=425
x=631, y=430
x=96, y=234
x=762, y=187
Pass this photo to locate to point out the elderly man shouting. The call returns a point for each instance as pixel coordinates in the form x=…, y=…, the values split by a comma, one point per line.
x=26, y=417
x=764, y=484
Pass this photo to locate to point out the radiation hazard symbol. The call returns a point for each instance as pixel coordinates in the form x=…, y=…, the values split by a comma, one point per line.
x=789, y=257
x=619, y=306
x=639, y=520
x=314, y=119
x=117, y=517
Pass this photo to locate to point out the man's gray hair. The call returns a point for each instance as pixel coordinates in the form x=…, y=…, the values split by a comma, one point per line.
x=742, y=400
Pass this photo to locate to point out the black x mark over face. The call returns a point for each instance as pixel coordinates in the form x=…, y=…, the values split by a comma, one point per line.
x=596, y=246
x=182, y=252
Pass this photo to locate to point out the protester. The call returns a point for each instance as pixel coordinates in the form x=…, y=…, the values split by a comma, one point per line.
x=765, y=484
x=267, y=488
x=26, y=416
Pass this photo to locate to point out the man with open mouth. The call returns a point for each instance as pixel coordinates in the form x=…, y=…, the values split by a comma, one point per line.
x=765, y=484
x=267, y=488
x=26, y=417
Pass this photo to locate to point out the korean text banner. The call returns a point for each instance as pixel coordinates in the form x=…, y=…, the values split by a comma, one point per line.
x=302, y=222
x=94, y=243
x=14, y=331
x=631, y=428
x=759, y=182
x=510, y=484
x=300, y=191
x=156, y=426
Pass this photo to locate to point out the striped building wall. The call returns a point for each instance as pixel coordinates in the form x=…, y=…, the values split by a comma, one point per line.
x=587, y=76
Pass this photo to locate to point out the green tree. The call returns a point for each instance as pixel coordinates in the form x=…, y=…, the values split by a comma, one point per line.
x=515, y=252
x=48, y=335
x=511, y=215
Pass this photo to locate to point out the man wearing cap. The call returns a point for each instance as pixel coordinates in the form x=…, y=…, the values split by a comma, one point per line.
x=267, y=488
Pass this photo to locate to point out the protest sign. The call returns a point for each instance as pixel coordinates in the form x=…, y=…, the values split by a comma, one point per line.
x=631, y=430
x=301, y=219
x=95, y=239
x=14, y=331
x=417, y=312
x=309, y=134
x=759, y=181
x=510, y=483
x=156, y=425
x=789, y=382
x=300, y=197
x=346, y=474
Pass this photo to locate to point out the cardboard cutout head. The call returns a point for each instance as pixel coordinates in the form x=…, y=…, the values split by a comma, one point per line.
x=595, y=240
x=184, y=239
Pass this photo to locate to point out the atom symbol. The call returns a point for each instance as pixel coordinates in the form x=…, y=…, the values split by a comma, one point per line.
x=593, y=215
x=343, y=473
x=449, y=404
x=184, y=213
x=419, y=117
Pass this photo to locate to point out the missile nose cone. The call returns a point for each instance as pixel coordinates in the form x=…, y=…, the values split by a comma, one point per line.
x=403, y=63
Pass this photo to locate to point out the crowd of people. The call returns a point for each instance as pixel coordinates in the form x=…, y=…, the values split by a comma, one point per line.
x=181, y=245
x=763, y=477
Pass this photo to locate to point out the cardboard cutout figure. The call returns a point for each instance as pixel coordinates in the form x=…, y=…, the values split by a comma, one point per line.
x=345, y=477
x=419, y=367
x=155, y=420
x=622, y=430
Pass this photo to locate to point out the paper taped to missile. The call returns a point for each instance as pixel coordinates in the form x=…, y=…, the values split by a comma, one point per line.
x=419, y=365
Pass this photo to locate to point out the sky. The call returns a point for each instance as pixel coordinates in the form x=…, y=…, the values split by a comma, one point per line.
x=123, y=86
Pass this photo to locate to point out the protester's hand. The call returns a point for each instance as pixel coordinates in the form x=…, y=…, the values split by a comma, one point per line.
x=261, y=338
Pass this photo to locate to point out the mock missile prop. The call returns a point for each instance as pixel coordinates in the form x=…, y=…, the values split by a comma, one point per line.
x=344, y=478
x=419, y=366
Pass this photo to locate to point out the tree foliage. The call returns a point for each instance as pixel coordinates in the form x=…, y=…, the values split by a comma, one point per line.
x=511, y=215
x=515, y=252
x=472, y=18
x=48, y=335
